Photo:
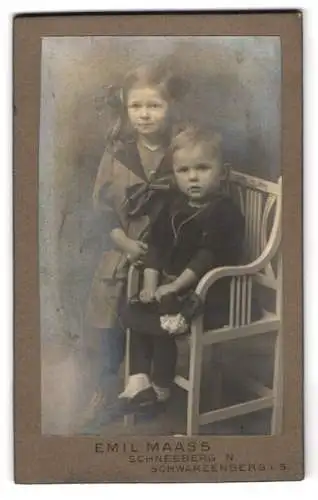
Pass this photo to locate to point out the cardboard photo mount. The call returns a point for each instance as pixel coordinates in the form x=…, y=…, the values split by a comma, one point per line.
x=59, y=459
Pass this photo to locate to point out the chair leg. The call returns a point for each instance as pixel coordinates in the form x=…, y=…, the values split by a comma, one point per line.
x=129, y=420
x=133, y=285
x=277, y=415
x=217, y=375
x=194, y=379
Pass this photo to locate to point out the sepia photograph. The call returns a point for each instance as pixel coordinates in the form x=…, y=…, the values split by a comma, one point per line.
x=158, y=172
x=159, y=236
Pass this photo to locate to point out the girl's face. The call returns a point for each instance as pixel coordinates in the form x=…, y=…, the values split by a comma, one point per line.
x=197, y=174
x=147, y=111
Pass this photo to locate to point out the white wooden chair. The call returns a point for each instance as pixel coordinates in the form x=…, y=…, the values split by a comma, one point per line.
x=261, y=204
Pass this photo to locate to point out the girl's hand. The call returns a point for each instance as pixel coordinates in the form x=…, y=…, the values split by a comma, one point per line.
x=147, y=295
x=135, y=250
x=164, y=290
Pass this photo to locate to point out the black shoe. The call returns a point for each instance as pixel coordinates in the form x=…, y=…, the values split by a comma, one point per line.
x=141, y=400
x=144, y=405
x=140, y=403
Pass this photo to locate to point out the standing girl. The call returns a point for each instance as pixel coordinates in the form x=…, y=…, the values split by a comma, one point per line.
x=135, y=163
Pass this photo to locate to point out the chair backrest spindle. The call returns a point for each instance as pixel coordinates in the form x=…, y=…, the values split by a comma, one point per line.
x=257, y=200
x=260, y=202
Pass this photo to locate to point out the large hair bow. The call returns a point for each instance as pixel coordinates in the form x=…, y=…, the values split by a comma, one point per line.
x=110, y=96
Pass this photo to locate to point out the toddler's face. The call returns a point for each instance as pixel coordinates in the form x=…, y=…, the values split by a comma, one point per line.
x=197, y=174
x=147, y=111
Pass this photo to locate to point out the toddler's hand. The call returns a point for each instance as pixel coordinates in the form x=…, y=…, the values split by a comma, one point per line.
x=147, y=295
x=164, y=290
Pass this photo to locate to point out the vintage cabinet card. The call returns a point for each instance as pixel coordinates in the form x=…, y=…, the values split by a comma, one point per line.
x=157, y=223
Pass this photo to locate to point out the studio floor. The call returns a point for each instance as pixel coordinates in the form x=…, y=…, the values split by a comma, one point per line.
x=172, y=419
x=67, y=387
x=173, y=422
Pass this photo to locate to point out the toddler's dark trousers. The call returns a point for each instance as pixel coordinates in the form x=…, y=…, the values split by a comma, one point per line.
x=154, y=355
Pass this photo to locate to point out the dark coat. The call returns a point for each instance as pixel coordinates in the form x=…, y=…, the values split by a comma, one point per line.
x=183, y=237
x=196, y=238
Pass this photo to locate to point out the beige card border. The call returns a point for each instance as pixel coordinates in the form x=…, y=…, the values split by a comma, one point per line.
x=40, y=459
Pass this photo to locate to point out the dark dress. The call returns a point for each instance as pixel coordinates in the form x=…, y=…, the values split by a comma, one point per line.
x=181, y=237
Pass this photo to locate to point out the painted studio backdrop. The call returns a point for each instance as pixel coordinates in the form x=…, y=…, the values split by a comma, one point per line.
x=234, y=85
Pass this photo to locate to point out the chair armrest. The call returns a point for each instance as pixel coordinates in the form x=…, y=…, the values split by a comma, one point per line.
x=249, y=269
x=223, y=272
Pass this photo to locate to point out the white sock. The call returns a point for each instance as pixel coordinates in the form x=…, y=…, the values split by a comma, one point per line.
x=135, y=384
x=163, y=393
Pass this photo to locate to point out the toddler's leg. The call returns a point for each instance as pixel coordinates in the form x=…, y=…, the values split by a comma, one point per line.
x=140, y=358
x=164, y=365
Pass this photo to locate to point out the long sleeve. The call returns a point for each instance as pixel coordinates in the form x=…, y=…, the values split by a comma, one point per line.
x=152, y=259
x=107, y=209
x=102, y=191
x=222, y=244
x=225, y=234
x=201, y=262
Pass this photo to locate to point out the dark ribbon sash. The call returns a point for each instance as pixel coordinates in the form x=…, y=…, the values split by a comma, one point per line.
x=141, y=196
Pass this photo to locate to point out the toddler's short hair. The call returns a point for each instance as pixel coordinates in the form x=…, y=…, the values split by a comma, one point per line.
x=192, y=135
